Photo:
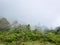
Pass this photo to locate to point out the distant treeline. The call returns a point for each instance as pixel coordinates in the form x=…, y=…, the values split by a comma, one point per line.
x=17, y=33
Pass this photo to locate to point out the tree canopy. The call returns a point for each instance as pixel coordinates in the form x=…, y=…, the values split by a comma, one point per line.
x=22, y=33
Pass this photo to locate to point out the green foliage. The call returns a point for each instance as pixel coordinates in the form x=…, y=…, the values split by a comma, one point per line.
x=21, y=33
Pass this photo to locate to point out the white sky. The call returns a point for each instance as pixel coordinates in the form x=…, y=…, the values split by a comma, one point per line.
x=34, y=12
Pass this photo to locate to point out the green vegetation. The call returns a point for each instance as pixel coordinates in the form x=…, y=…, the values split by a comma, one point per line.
x=18, y=34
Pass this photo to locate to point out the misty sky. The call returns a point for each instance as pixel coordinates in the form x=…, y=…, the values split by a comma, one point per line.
x=34, y=12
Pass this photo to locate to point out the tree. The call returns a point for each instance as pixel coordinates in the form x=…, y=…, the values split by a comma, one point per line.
x=4, y=24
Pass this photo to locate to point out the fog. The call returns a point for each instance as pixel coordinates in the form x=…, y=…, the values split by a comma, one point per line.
x=34, y=12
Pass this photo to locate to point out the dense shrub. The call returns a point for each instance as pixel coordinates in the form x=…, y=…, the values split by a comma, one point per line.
x=22, y=33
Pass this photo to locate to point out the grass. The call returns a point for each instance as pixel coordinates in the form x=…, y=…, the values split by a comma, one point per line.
x=36, y=43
